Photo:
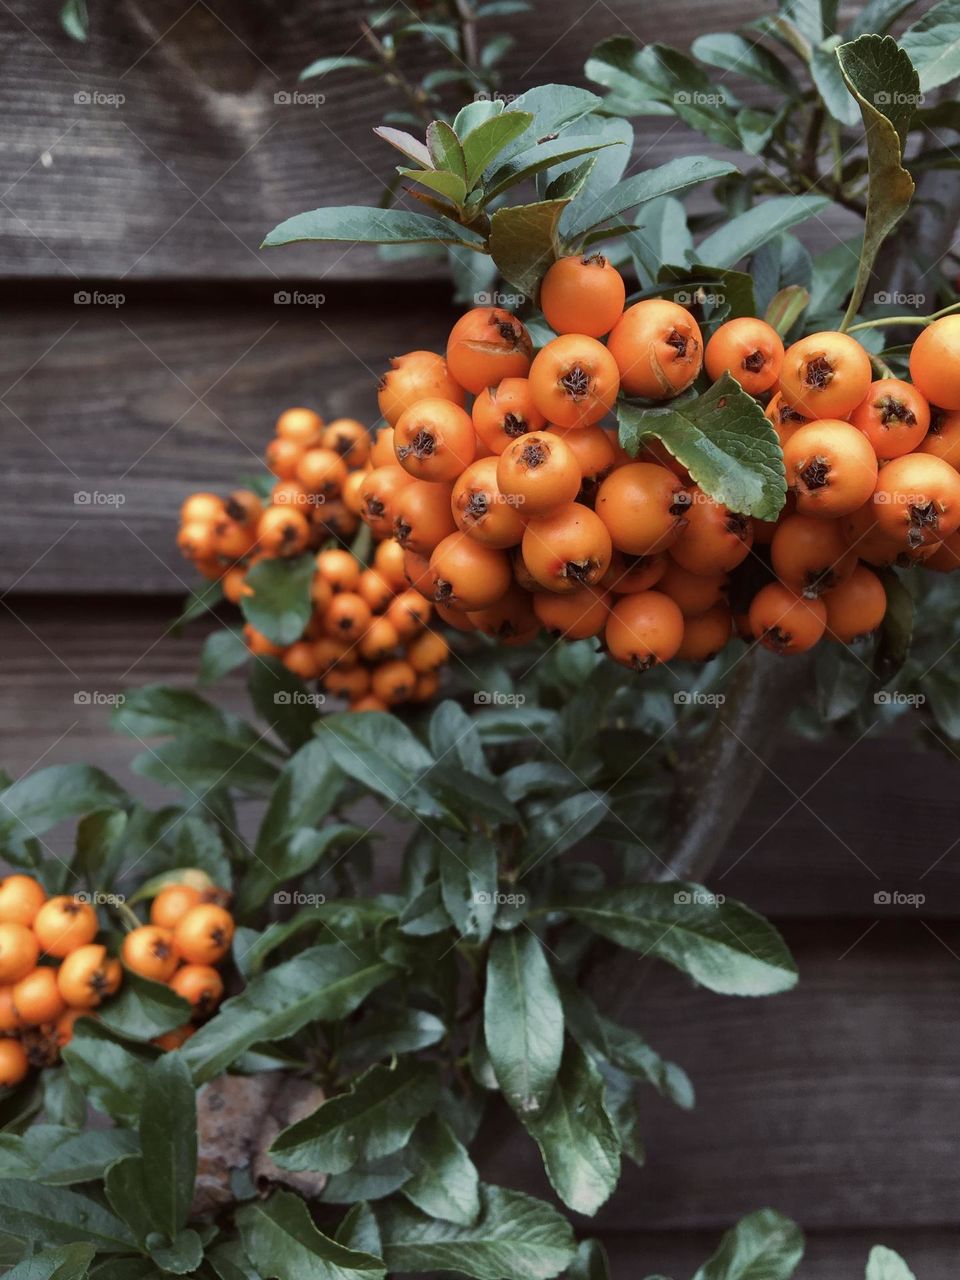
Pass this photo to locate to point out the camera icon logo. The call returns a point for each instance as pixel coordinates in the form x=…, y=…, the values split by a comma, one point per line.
x=882, y=99
x=683, y=898
x=282, y=98
x=282, y=699
x=282, y=898
x=682, y=698
x=81, y=698
x=82, y=98
x=82, y=498
x=482, y=698
x=282, y=298
x=82, y=298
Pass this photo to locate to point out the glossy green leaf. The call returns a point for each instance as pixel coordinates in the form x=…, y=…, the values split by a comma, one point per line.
x=448, y=185
x=523, y=1020
x=786, y=307
x=881, y=78
x=280, y=605
x=403, y=1030
x=358, y=224
x=74, y=19
x=515, y=1238
x=45, y=797
x=743, y=235
x=591, y=1262
x=933, y=44
x=731, y=52
x=159, y=710
x=828, y=78
x=454, y=737
x=223, y=651
x=653, y=184
x=579, y=1145
x=724, y=441
x=524, y=242
x=468, y=884
x=445, y=149
x=542, y=156
x=482, y=145
x=896, y=631
x=324, y=66
x=554, y=826
x=143, y=1009
x=444, y=1181
x=284, y=702
x=374, y=1119
x=83, y=1157
x=723, y=946
x=762, y=1246
x=281, y=1241
x=112, y=1075
x=168, y=1141
x=325, y=983
x=55, y=1216
x=181, y=1256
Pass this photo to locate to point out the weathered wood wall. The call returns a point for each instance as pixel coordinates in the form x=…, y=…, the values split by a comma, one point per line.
x=837, y=1103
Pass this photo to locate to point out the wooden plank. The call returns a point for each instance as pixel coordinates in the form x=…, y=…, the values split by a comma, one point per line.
x=831, y=1255
x=835, y=1104
x=782, y=860
x=185, y=176
x=140, y=404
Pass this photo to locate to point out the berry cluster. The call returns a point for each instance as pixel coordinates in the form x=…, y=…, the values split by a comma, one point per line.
x=367, y=639
x=525, y=513
x=52, y=971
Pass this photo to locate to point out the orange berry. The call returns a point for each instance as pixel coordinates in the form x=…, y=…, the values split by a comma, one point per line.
x=419, y=375
x=375, y=590
x=201, y=986
x=422, y=516
x=204, y=934
x=582, y=295
x=172, y=903
x=321, y=471
x=715, y=539
x=378, y=493
x=627, y=574
x=574, y=381
x=21, y=897
x=87, y=976
x=511, y=621
x=658, y=349
x=149, y=951
x=825, y=375
x=429, y=650
x=538, y=473
x=37, y=998
x=785, y=622
x=435, y=440
x=568, y=549
x=347, y=682
x=379, y=640
x=204, y=508
x=595, y=452
x=893, y=416
x=750, y=350
x=62, y=924
x=577, y=615
x=388, y=562
x=481, y=510
x=705, y=634
x=856, y=607
x=258, y=643
x=393, y=682
x=487, y=345
x=13, y=1063
x=283, y=531
x=175, y=1039
x=694, y=593
x=10, y=1020
x=644, y=629
x=831, y=467
x=348, y=616
x=339, y=568
x=466, y=574
x=409, y=612
x=349, y=439
x=917, y=499
x=301, y=660
x=302, y=426
x=503, y=412
x=943, y=438
x=811, y=556
x=381, y=451
x=644, y=506
x=935, y=362
x=283, y=457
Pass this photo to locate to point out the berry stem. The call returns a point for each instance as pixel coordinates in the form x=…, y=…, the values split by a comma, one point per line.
x=918, y=321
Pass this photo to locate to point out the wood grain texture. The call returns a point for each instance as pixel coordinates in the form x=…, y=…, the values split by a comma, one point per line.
x=826, y=856
x=141, y=404
x=185, y=176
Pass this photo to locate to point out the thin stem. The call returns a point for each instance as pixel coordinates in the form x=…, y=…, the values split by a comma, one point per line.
x=886, y=322
x=395, y=76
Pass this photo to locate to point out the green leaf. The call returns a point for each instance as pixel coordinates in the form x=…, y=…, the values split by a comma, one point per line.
x=97, y=837
x=468, y=885
x=556, y=826
x=933, y=45
x=884, y=1264
x=324, y=984
x=43, y=798
x=762, y=1246
x=74, y=20
x=454, y=733
x=722, y=945
x=515, y=1238
x=786, y=307
x=663, y=238
x=112, y=1075
x=579, y=1145
x=743, y=235
x=444, y=1182
x=445, y=150
x=359, y=1230
x=360, y=225
x=284, y=701
x=731, y=52
x=876, y=16
x=280, y=606
x=54, y=1216
x=168, y=1141
x=882, y=79
x=591, y=1262
x=324, y=66
x=523, y=1020
x=553, y=107
x=524, y=243
x=828, y=78
x=676, y=175
x=380, y=752
x=896, y=631
x=199, y=765
x=144, y=1009
x=181, y=1256
x=158, y=710
x=374, y=1119
x=281, y=1241
x=475, y=113
x=834, y=273
x=83, y=1157
x=403, y=1030
x=724, y=441
x=482, y=145
x=542, y=156
x=69, y=1262
x=367, y=1180
x=448, y=185
x=223, y=651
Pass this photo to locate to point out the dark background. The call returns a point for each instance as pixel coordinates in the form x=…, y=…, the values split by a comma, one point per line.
x=836, y=1104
